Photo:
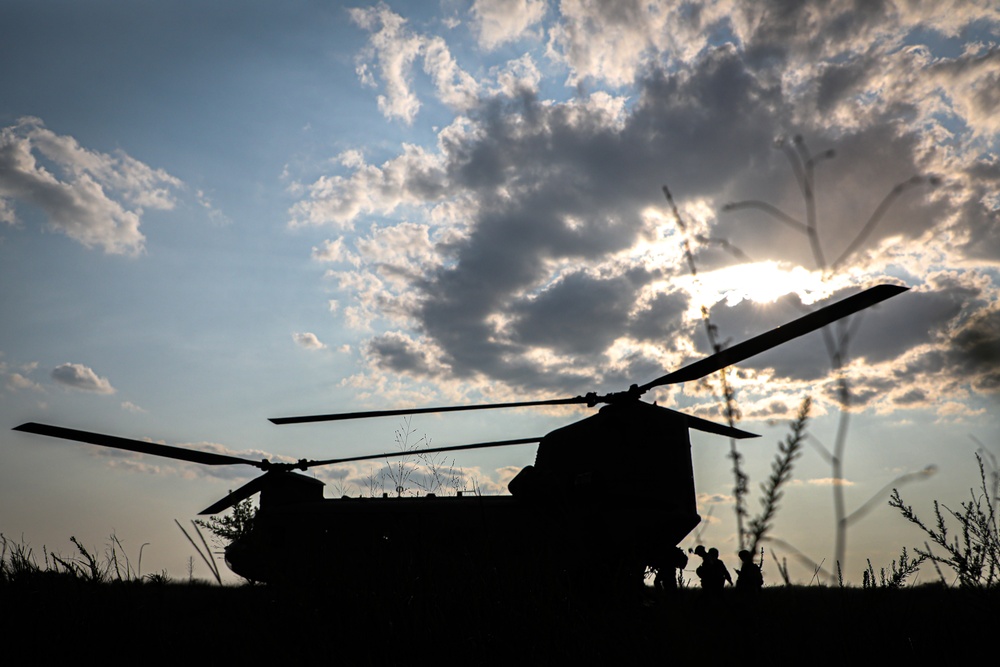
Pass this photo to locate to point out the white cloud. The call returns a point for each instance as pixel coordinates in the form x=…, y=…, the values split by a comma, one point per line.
x=612, y=41
x=517, y=76
x=17, y=382
x=830, y=481
x=214, y=214
x=412, y=177
x=973, y=85
x=94, y=198
x=129, y=406
x=393, y=48
x=331, y=251
x=455, y=87
x=7, y=213
x=500, y=21
x=388, y=61
x=78, y=376
x=308, y=341
x=714, y=499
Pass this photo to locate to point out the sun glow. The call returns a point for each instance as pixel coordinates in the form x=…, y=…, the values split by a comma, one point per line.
x=760, y=282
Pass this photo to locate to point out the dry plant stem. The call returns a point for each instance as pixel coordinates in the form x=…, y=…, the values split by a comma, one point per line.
x=782, y=568
x=206, y=555
x=803, y=165
x=876, y=499
x=839, y=507
x=728, y=393
x=990, y=461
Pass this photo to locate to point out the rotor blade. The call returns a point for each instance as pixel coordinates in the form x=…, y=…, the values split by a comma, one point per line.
x=775, y=337
x=421, y=411
x=700, y=424
x=237, y=496
x=140, y=446
x=429, y=450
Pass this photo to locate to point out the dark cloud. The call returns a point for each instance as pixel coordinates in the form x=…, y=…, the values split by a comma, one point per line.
x=578, y=315
x=572, y=187
x=979, y=210
x=974, y=350
x=398, y=353
x=662, y=320
x=554, y=196
x=911, y=397
x=710, y=124
x=776, y=30
x=881, y=333
x=867, y=167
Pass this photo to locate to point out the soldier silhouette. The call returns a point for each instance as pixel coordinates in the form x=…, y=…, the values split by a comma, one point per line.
x=666, y=570
x=748, y=578
x=713, y=572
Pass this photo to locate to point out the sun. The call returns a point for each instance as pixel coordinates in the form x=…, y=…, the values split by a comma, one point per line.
x=760, y=282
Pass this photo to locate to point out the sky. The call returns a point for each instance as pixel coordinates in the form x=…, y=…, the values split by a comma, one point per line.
x=215, y=214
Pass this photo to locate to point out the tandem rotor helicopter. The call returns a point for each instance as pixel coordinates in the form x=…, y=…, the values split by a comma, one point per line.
x=566, y=515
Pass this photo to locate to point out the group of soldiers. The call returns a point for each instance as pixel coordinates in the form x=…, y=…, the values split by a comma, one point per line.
x=712, y=572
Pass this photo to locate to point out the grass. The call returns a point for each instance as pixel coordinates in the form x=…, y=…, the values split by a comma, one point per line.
x=351, y=626
x=18, y=563
x=101, y=603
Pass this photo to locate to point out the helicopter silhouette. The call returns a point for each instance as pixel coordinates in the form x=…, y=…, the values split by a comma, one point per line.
x=567, y=516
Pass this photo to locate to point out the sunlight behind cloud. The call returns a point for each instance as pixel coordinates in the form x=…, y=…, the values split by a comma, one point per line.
x=760, y=282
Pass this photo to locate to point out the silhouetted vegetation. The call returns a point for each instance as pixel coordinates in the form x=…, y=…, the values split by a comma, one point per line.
x=974, y=552
x=102, y=602
x=362, y=622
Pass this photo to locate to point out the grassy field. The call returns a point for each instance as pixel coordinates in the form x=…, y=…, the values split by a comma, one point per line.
x=60, y=615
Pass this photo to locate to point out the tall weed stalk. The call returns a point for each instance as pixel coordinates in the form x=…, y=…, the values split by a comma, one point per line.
x=837, y=338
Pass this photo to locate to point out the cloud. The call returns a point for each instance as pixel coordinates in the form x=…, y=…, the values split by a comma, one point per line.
x=973, y=350
x=611, y=42
x=830, y=481
x=18, y=382
x=129, y=406
x=530, y=250
x=94, y=198
x=332, y=251
x=215, y=215
x=580, y=314
x=393, y=48
x=151, y=464
x=392, y=51
x=714, y=499
x=411, y=178
x=500, y=21
x=308, y=341
x=399, y=353
x=78, y=376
